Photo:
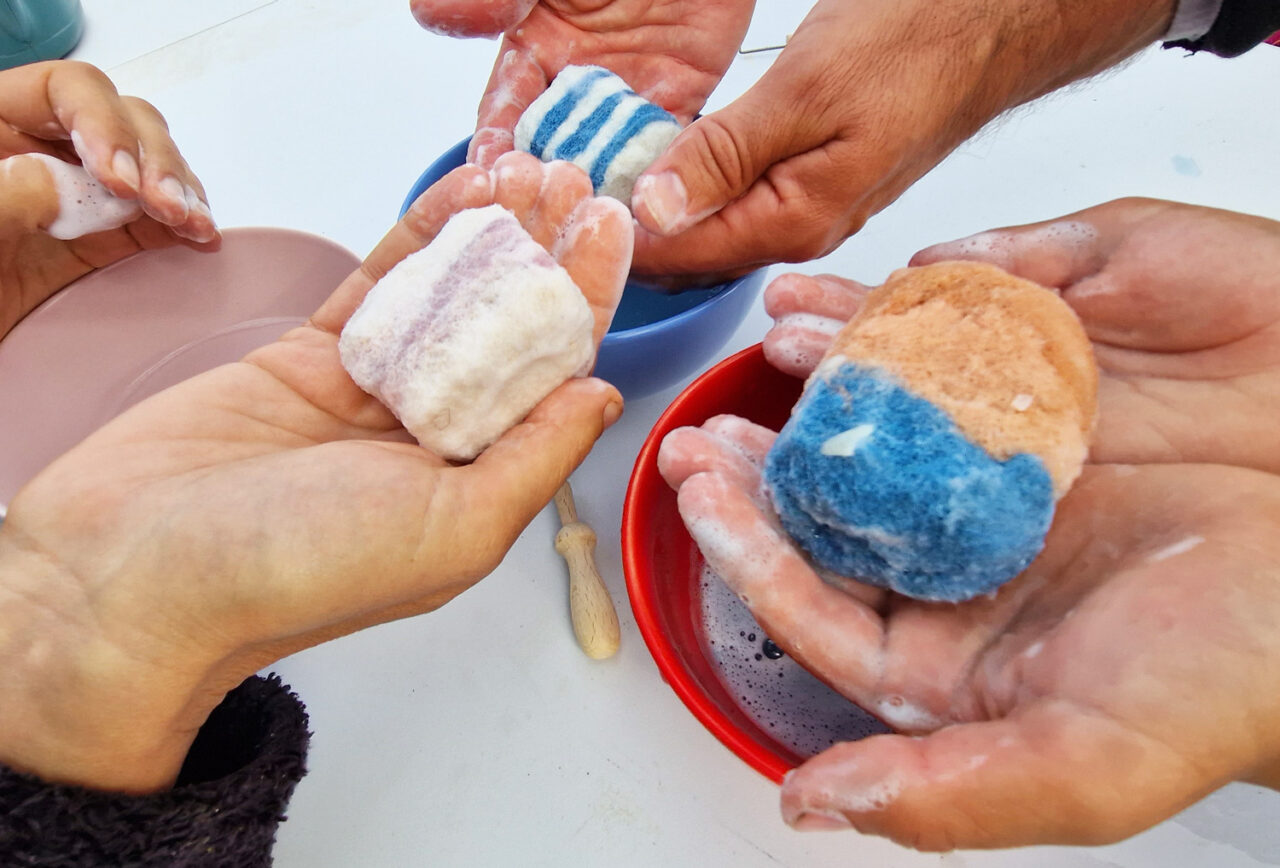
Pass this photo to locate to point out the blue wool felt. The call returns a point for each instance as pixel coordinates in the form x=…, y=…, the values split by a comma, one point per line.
x=581, y=138
x=644, y=115
x=917, y=507
x=557, y=114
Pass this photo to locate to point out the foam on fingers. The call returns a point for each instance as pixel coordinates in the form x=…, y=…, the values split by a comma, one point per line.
x=85, y=206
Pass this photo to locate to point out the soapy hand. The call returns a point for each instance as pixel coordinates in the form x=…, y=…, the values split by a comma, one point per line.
x=270, y=505
x=672, y=52
x=867, y=97
x=1132, y=668
x=134, y=192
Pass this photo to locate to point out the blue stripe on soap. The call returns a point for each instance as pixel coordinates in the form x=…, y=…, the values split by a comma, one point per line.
x=916, y=507
x=647, y=113
x=577, y=142
x=556, y=115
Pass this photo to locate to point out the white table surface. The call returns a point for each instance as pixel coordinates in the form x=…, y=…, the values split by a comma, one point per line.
x=480, y=734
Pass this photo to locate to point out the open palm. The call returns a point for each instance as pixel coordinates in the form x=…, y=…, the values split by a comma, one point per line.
x=672, y=52
x=1132, y=668
x=270, y=504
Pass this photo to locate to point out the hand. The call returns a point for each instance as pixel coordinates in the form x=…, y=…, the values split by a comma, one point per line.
x=672, y=52
x=270, y=505
x=866, y=98
x=1134, y=666
x=71, y=111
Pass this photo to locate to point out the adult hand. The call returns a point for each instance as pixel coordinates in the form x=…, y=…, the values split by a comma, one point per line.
x=672, y=52
x=269, y=505
x=1133, y=667
x=71, y=111
x=867, y=96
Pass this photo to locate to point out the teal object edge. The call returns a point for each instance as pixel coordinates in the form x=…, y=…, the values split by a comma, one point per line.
x=36, y=30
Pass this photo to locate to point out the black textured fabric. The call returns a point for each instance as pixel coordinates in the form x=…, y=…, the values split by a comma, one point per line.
x=1240, y=25
x=224, y=810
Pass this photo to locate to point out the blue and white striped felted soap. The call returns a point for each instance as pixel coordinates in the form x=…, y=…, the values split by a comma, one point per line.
x=590, y=117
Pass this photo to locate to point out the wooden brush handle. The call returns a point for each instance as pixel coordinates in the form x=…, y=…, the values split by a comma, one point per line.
x=595, y=622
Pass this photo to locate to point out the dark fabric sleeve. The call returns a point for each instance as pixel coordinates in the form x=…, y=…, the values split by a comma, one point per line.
x=223, y=811
x=1240, y=25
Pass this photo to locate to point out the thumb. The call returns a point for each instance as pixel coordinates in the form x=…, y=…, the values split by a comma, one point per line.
x=717, y=158
x=42, y=193
x=28, y=198
x=1049, y=775
x=515, y=477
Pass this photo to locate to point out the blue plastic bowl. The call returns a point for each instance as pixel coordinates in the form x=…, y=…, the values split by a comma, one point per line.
x=657, y=338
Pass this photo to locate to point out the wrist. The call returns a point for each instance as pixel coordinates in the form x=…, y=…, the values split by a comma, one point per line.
x=75, y=706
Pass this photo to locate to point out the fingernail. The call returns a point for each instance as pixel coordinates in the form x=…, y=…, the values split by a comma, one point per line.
x=171, y=190
x=612, y=413
x=665, y=198
x=126, y=169
x=817, y=820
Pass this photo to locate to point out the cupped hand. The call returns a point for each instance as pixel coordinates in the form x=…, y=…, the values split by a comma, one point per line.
x=866, y=97
x=1133, y=667
x=672, y=52
x=71, y=111
x=269, y=505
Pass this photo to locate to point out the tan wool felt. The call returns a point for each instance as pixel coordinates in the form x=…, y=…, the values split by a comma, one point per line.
x=1005, y=358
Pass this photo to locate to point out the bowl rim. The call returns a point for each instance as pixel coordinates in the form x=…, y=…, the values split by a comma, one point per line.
x=643, y=604
x=624, y=335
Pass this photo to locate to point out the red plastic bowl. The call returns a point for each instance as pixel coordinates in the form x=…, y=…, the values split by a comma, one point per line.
x=663, y=566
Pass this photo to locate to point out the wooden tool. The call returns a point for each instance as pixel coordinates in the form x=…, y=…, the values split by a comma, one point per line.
x=595, y=622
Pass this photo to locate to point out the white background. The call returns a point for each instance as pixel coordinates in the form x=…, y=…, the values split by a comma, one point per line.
x=479, y=734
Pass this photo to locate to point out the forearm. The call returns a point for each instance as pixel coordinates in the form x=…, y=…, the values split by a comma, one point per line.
x=1008, y=52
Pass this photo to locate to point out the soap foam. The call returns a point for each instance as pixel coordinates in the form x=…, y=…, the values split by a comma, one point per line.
x=770, y=687
x=84, y=205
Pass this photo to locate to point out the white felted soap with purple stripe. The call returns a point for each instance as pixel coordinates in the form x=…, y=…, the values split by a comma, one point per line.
x=590, y=117
x=461, y=339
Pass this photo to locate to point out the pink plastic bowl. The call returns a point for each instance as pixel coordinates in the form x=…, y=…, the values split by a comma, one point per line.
x=663, y=566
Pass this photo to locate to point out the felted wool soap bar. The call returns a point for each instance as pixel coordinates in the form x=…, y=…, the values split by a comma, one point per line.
x=464, y=337
x=933, y=441
x=590, y=117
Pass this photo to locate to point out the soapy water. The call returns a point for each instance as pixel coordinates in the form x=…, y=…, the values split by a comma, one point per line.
x=770, y=687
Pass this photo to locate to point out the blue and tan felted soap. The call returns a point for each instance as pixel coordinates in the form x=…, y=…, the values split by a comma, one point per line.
x=934, y=439
x=590, y=117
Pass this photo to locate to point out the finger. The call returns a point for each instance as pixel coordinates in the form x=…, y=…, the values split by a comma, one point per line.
x=750, y=440
x=808, y=312
x=595, y=248
x=515, y=477
x=70, y=99
x=689, y=451
x=718, y=158
x=518, y=179
x=29, y=200
x=823, y=295
x=464, y=187
x=1055, y=253
x=59, y=198
x=836, y=637
x=564, y=187
x=467, y=18
x=515, y=83
x=793, y=213
x=171, y=193
x=1050, y=775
